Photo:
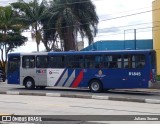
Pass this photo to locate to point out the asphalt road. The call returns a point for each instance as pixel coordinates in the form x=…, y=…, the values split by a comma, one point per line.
x=53, y=108
x=127, y=93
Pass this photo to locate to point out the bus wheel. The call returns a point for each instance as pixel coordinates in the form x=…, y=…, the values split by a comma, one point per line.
x=95, y=86
x=29, y=84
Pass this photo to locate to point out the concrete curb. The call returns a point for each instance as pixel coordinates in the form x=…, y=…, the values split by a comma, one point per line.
x=151, y=101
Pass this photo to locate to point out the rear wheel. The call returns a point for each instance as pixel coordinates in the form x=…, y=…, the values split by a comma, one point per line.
x=29, y=83
x=95, y=86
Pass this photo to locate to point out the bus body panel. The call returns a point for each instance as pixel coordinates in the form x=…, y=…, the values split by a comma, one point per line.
x=28, y=72
x=55, y=76
x=41, y=76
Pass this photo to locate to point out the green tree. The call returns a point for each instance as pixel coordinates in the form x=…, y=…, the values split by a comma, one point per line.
x=70, y=18
x=10, y=33
x=31, y=14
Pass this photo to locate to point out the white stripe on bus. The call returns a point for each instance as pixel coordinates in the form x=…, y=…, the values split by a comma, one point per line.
x=70, y=79
x=63, y=79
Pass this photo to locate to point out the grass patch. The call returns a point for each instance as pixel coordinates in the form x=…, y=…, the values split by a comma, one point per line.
x=158, y=77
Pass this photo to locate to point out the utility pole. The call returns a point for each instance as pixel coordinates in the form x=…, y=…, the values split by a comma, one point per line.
x=124, y=41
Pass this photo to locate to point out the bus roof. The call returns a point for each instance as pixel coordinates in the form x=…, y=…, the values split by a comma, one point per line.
x=85, y=52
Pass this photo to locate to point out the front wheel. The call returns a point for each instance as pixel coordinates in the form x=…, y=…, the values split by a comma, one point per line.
x=95, y=86
x=29, y=84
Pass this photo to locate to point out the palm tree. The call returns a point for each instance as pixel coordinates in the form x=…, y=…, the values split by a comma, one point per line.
x=31, y=14
x=71, y=18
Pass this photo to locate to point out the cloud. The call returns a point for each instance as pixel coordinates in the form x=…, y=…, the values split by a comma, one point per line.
x=108, y=30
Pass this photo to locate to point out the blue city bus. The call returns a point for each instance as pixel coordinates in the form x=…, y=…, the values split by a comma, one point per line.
x=96, y=70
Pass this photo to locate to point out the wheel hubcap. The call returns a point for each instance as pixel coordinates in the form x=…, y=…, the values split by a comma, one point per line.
x=95, y=86
x=29, y=84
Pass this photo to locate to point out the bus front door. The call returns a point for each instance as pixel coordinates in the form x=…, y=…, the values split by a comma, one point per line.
x=13, y=72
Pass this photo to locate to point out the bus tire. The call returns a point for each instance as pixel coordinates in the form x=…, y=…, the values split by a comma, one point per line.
x=29, y=83
x=95, y=86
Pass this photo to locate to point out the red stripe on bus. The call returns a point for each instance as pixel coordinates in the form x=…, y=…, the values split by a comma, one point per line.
x=78, y=80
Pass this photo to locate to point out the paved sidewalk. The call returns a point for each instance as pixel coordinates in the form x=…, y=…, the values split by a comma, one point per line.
x=93, y=96
x=98, y=97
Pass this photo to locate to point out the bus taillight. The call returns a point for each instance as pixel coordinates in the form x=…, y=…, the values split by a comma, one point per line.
x=151, y=76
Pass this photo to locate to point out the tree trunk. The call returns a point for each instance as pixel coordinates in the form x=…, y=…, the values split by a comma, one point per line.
x=37, y=47
x=69, y=40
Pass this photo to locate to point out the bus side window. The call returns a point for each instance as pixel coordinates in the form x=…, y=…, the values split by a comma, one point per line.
x=140, y=61
x=90, y=65
x=81, y=65
x=56, y=62
x=99, y=65
x=93, y=61
x=113, y=61
x=28, y=61
x=128, y=61
x=74, y=61
x=139, y=65
x=42, y=61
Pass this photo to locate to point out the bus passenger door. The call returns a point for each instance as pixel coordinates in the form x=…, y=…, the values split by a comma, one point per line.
x=13, y=72
x=41, y=77
x=41, y=70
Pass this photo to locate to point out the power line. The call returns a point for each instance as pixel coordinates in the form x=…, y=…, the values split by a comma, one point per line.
x=129, y=10
x=122, y=33
x=102, y=35
x=132, y=32
x=128, y=25
x=110, y=18
x=119, y=26
x=128, y=15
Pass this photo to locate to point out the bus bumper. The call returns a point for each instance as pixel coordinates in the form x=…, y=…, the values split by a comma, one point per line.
x=153, y=85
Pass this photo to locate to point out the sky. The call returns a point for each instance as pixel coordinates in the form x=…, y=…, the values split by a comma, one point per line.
x=118, y=19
